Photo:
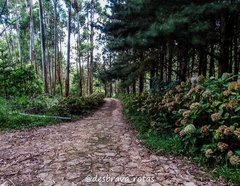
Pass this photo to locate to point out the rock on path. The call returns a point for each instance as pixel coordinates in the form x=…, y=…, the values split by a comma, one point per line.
x=100, y=149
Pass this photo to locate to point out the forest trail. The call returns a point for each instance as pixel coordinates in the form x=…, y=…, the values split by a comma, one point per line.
x=101, y=144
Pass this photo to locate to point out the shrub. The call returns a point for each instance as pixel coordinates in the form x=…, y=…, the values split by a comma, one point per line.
x=38, y=104
x=74, y=105
x=205, y=114
x=10, y=117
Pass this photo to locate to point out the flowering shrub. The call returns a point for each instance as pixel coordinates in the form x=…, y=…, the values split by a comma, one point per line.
x=204, y=113
x=211, y=112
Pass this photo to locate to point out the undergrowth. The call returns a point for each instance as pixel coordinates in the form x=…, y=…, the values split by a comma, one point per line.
x=29, y=112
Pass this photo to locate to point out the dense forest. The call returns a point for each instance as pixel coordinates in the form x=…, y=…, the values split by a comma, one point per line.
x=78, y=47
x=175, y=65
x=153, y=42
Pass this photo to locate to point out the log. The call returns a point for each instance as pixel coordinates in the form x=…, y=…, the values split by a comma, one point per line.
x=44, y=116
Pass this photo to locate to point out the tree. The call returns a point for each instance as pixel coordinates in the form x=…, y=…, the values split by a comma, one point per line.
x=67, y=81
x=43, y=48
x=55, y=44
x=177, y=39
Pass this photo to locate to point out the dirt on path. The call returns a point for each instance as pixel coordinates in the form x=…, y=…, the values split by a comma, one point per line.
x=100, y=149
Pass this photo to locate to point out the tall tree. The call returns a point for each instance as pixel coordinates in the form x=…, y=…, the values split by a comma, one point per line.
x=32, y=46
x=55, y=45
x=43, y=48
x=67, y=80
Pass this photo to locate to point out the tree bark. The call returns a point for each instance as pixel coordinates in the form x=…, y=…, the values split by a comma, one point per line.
x=170, y=57
x=43, y=48
x=79, y=62
x=55, y=46
x=90, y=88
x=212, y=65
x=141, y=83
x=236, y=48
x=32, y=47
x=67, y=80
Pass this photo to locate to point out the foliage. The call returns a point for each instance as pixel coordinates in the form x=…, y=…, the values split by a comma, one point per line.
x=17, y=80
x=203, y=114
x=37, y=104
x=74, y=105
x=11, y=117
x=210, y=121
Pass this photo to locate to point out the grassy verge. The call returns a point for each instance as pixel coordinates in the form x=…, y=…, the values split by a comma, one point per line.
x=170, y=143
x=37, y=108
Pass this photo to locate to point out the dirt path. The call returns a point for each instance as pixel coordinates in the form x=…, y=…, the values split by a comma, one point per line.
x=92, y=151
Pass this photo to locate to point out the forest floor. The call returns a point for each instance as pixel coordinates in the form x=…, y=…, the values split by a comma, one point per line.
x=92, y=151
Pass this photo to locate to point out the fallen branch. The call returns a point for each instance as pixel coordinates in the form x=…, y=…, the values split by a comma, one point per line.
x=44, y=116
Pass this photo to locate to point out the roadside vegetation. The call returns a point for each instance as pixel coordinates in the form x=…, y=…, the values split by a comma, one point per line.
x=198, y=119
x=28, y=112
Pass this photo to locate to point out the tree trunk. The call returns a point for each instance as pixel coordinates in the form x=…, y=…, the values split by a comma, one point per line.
x=170, y=57
x=212, y=66
x=134, y=87
x=92, y=47
x=225, y=43
x=162, y=57
x=19, y=42
x=67, y=80
x=152, y=75
x=79, y=62
x=43, y=48
x=141, y=83
x=59, y=69
x=236, y=48
x=32, y=47
x=202, y=63
x=55, y=46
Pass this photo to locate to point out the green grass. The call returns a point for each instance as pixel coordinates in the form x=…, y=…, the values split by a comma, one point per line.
x=14, y=120
x=228, y=174
x=163, y=143
x=11, y=119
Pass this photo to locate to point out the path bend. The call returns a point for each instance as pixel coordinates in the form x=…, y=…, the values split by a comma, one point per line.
x=100, y=145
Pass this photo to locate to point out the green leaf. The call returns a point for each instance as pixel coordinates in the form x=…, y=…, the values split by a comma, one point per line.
x=237, y=109
x=237, y=152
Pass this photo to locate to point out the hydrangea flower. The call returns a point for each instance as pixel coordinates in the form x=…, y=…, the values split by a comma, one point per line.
x=234, y=160
x=222, y=146
x=209, y=153
x=216, y=117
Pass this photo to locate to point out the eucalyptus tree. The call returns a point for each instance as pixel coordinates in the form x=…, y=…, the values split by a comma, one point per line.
x=43, y=47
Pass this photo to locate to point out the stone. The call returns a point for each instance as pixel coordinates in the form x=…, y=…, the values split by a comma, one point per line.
x=100, y=144
x=156, y=184
x=110, y=154
x=189, y=184
x=117, y=169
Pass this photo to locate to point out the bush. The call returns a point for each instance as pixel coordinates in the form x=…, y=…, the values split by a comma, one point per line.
x=10, y=117
x=203, y=114
x=38, y=104
x=74, y=105
x=18, y=81
x=4, y=110
x=210, y=119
